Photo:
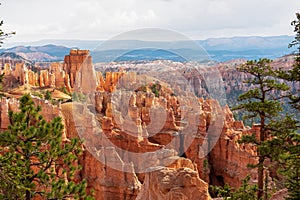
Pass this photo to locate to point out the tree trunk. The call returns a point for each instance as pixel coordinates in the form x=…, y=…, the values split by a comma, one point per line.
x=28, y=196
x=260, y=178
x=261, y=160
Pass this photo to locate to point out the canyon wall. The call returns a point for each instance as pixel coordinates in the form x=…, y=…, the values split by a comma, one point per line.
x=105, y=161
x=141, y=143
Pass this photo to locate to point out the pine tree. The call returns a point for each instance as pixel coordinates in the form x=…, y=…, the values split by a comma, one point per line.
x=285, y=147
x=35, y=161
x=4, y=35
x=291, y=158
x=286, y=133
x=245, y=192
x=261, y=103
x=293, y=75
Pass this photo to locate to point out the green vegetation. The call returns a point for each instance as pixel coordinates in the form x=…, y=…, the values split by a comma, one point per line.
x=278, y=138
x=2, y=77
x=44, y=94
x=155, y=88
x=287, y=132
x=48, y=95
x=205, y=166
x=144, y=88
x=296, y=41
x=294, y=74
x=34, y=160
x=78, y=97
x=261, y=103
x=285, y=147
x=4, y=35
x=38, y=94
x=64, y=90
x=245, y=192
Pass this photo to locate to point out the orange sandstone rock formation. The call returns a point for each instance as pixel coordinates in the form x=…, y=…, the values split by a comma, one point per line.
x=139, y=144
x=225, y=163
x=76, y=73
x=73, y=62
x=173, y=184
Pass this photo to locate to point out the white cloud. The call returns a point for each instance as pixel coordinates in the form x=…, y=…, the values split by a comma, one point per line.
x=102, y=19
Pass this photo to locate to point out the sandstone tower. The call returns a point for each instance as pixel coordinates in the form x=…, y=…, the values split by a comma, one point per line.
x=74, y=61
x=78, y=65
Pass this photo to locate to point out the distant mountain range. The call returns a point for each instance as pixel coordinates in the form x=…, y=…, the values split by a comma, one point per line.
x=38, y=53
x=217, y=49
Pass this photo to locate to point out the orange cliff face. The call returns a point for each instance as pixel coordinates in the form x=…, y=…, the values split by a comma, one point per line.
x=185, y=162
x=21, y=75
x=74, y=61
x=76, y=73
x=177, y=176
x=135, y=130
x=58, y=75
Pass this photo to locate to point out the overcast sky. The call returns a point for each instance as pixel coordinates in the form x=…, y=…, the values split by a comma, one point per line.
x=102, y=19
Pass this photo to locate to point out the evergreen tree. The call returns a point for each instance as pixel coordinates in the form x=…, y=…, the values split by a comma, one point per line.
x=4, y=35
x=245, y=192
x=35, y=161
x=286, y=133
x=291, y=158
x=48, y=95
x=293, y=75
x=285, y=147
x=263, y=104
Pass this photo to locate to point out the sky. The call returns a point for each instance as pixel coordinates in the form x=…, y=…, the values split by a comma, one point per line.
x=35, y=20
